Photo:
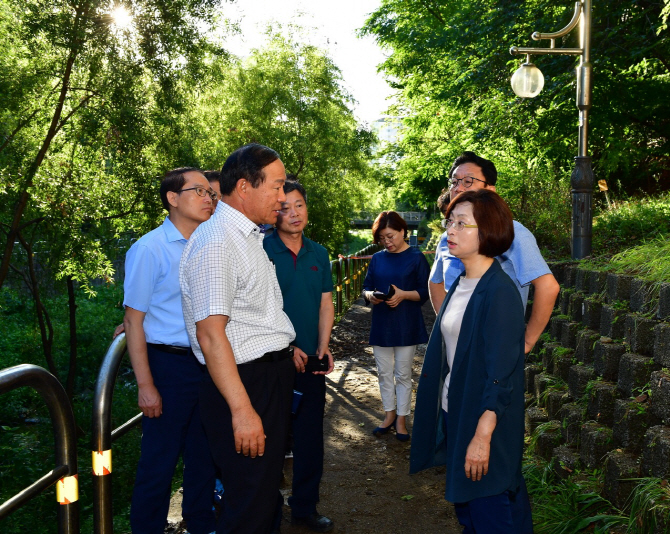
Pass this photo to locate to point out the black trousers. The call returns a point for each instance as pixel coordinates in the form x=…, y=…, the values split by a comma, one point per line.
x=251, y=485
x=307, y=428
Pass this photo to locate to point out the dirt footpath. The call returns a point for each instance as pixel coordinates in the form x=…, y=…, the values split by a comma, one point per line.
x=366, y=487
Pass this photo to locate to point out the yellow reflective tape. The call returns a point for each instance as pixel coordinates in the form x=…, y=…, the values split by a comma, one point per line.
x=102, y=462
x=355, y=276
x=347, y=281
x=67, y=490
x=339, y=288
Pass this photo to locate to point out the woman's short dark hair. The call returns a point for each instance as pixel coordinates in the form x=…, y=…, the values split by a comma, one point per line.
x=388, y=219
x=493, y=218
x=173, y=181
x=246, y=163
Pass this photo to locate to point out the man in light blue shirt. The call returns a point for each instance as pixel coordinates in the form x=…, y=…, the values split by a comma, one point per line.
x=168, y=374
x=523, y=262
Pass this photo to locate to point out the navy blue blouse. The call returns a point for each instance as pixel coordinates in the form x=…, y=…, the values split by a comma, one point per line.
x=403, y=325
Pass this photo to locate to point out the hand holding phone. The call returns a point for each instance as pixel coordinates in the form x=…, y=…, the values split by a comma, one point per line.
x=314, y=364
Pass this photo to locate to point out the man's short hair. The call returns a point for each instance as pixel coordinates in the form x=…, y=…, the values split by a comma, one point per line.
x=443, y=200
x=173, y=181
x=488, y=168
x=246, y=163
x=292, y=184
x=493, y=218
x=388, y=219
x=212, y=176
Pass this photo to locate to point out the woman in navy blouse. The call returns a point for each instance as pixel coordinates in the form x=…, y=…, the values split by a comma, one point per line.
x=401, y=272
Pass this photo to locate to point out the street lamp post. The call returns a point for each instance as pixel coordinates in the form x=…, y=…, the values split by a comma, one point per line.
x=527, y=83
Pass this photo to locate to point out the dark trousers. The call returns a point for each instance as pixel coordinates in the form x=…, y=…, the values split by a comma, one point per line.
x=506, y=513
x=307, y=425
x=177, y=432
x=251, y=484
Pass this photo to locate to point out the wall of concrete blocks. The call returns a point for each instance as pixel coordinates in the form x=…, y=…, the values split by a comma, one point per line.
x=603, y=379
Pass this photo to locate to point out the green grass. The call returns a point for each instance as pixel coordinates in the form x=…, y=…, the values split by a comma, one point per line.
x=567, y=507
x=631, y=223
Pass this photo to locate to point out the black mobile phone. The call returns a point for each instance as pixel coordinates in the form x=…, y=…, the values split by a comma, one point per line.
x=314, y=364
x=384, y=296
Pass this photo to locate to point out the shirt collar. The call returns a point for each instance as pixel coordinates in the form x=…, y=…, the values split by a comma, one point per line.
x=279, y=246
x=230, y=215
x=171, y=232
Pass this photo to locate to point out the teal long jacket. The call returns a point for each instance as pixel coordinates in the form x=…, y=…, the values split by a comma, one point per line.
x=487, y=375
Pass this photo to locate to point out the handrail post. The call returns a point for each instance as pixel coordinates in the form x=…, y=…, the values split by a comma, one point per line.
x=65, y=444
x=347, y=281
x=338, y=271
x=101, y=436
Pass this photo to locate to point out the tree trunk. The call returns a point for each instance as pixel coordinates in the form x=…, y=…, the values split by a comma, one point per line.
x=72, y=367
x=21, y=204
x=43, y=319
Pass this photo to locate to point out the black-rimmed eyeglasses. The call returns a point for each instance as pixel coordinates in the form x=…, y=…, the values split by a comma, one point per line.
x=466, y=180
x=201, y=192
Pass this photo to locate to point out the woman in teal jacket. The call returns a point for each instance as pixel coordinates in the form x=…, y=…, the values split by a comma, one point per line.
x=470, y=395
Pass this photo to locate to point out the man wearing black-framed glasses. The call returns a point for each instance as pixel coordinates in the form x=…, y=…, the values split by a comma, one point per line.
x=168, y=374
x=523, y=262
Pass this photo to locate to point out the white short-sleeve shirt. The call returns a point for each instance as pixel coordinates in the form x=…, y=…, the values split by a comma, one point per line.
x=225, y=271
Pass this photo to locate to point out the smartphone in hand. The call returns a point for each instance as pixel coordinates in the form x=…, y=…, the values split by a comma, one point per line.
x=314, y=364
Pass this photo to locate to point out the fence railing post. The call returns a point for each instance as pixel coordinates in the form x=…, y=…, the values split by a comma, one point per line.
x=65, y=444
x=338, y=271
x=347, y=278
x=101, y=436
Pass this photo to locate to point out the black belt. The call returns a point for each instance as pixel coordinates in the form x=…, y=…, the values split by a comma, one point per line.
x=275, y=356
x=172, y=349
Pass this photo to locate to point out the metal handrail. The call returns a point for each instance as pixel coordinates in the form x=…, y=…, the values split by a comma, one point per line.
x=349, y=273
x=102, y=435
x=65, y=445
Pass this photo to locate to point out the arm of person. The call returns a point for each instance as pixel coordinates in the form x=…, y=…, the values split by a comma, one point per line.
x=369, y=283
x=546, y=291
x=220, y=360
x=326, y=320
x=479, y=450
x=148, y=398
x=437, y=295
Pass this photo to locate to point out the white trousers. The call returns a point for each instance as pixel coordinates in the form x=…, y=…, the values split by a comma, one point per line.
x=394, y=367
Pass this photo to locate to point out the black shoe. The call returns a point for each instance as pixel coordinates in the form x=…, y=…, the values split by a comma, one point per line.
x=315, y=522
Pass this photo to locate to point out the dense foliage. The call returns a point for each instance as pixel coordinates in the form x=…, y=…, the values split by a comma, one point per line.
x=289, y=96
x=92, y=113
x=451, y=65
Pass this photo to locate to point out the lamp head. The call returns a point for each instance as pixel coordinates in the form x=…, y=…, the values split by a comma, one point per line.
x=527, y=81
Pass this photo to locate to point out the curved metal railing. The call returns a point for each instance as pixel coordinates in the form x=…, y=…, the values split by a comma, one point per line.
x=62, y=418
x=102, y=435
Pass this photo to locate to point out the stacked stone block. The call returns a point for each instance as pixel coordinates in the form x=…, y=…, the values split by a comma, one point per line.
x=600, y=380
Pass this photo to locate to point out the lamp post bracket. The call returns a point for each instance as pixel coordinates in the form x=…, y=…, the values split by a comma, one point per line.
x=518, y=50
x=537, y=36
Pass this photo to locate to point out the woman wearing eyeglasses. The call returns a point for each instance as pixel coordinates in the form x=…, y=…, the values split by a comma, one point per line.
x=470, y=401
x=397, y=286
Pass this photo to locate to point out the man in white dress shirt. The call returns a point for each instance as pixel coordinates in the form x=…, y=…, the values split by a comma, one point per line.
x=233, y=312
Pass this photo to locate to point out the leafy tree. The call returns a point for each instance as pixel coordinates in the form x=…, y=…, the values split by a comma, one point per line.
x=84, y=102
x=451, y=66
x=288, y=96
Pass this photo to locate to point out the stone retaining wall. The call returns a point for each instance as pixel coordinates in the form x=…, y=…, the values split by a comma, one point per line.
x=603, y=380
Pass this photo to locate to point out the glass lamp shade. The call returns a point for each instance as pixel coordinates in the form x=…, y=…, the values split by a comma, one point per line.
x=527, y=81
